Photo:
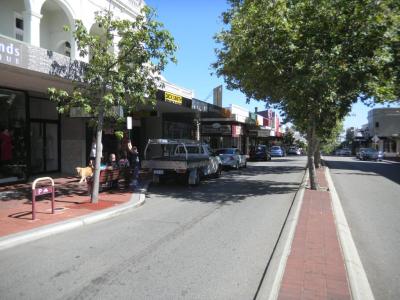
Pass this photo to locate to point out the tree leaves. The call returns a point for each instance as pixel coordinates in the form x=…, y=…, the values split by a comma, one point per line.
x=127, y=77
x=312, y=58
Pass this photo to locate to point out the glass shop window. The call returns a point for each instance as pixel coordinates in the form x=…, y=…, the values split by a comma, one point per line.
x=13, y=154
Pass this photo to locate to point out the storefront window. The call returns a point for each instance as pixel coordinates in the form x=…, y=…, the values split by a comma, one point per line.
x=389, y=145
x=13, y=151
x=175, y=130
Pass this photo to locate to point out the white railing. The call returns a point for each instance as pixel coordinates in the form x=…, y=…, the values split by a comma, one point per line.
x=133, y=4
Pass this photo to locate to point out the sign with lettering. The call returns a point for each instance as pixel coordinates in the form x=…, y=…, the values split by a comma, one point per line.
x=236, y=130
x=173, y=98
x=43, y=190
x=26, y=56
x=10, y=53
x=199, y=105
x=219, y=130
x=226, y=113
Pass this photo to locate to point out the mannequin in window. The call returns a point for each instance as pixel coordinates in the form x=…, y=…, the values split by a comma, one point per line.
x=5, y=145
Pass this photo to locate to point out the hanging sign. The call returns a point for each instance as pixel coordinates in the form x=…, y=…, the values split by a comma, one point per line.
x=173, y=98
x=128, y=122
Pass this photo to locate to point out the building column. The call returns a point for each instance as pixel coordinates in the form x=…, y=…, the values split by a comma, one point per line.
x=32, y=25
x=197, y=130
x=381, y=146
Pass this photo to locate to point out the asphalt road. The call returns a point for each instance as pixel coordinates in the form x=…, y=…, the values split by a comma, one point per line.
x=370, y=196
x=208, y=242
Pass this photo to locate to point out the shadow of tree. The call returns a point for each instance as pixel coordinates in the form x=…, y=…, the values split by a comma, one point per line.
x=232, y=186
x=255, y=170
x=367, y=168
x=65, y=188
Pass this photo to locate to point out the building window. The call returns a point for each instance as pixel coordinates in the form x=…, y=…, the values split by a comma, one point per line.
x=19, y=27
x=376, y=124
x=68, y=49
x=13, y=154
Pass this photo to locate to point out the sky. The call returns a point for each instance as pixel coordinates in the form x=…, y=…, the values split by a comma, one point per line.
x=193, y=23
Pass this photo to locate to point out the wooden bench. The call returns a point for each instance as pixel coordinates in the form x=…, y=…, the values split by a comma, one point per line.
x=106, y=179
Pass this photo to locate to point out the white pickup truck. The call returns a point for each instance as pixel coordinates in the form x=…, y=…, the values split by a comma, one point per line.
x=186, y=160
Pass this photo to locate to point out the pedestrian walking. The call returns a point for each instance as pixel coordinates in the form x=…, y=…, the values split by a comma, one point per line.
x=134, y=164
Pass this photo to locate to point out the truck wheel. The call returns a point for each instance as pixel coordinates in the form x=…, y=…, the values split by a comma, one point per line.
x=196, y=179
x=219, y=171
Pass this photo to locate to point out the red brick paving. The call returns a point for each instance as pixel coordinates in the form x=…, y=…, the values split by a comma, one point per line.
x=71, y=198
x=315, y=268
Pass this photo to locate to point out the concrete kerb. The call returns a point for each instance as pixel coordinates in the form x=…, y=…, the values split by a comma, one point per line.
x=359, y=285
x=136, y=200
x=272, y=281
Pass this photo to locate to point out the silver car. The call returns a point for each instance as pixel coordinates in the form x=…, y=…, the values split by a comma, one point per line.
x=371, y=154
x=231, y=157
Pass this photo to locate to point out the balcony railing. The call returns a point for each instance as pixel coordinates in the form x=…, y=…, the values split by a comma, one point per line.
x=134, y=5
x=23, y=55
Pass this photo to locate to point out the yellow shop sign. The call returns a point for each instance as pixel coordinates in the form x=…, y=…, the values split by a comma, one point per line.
x=176, y=99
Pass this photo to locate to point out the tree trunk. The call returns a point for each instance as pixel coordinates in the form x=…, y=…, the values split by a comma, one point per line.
x=99, y=154
x=317, y=154
x=311, y=138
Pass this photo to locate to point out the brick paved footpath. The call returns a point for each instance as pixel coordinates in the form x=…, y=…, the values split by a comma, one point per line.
x=315, y=267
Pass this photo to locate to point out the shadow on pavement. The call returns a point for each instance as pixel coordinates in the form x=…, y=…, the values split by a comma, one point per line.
x=367, y=168
x=231, y=187
x=65, y=188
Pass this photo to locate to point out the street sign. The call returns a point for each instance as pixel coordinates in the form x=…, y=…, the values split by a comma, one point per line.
x=42, y=191
x=375, y=138
x=129, y=123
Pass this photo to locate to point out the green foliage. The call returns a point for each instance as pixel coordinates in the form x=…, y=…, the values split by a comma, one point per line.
x=331, y=141
x=311, y=59
x=119, y=134
x=111, y=79
x=288, y=137
x=127, y=77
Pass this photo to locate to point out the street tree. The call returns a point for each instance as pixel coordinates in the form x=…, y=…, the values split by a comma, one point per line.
x=288, y=137
x=330, y=140
x=123, y=70
x=311, y=59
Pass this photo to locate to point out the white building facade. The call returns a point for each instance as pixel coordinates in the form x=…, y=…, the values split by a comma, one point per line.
x=37, y=53
x=384, y=130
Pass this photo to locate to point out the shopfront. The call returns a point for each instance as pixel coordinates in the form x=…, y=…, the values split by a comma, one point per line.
x=178, y=118
x=13, y=136
x=44, y=136
x=223, y=135
x=29, y=136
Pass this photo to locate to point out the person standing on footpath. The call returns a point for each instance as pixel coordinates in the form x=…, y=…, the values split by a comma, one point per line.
x=134, y=164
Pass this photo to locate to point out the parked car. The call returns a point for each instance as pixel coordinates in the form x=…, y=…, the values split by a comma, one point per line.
x=371, y=154
x=277, y=151
x=294, y=151
x=359, y=151
x=343, y=152
x=231, y=157
x=184, y=160
x=260, y=152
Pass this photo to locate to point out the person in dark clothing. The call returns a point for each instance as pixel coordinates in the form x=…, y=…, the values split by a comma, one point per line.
x=124, y=168
x=113, y=165
x=134, y=164
x=112, y=162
